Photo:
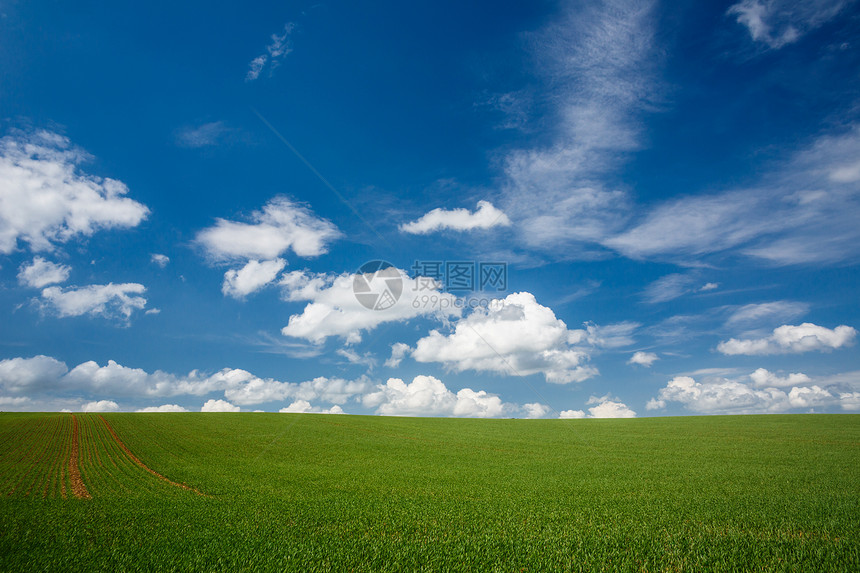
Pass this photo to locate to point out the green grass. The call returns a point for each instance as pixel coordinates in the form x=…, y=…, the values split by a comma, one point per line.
x=339, y=493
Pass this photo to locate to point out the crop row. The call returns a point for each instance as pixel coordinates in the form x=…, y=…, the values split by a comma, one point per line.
x=34, y=456
x=71, y=455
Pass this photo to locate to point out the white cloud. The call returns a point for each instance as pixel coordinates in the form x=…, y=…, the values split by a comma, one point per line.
x=160, y=260
x=804, y=211
x=110, y=300
x=335, y=311
x=654, y=404
x=809, y=397
x=204, y=135
x=781, y=22
x=428, y=396
x=239, y=386
x=255, y=67
x=603, y=407
x=354, y=357
x=485, y=217
x=398, y=353
x=669, y=288
x=14, y=402
x=40, y=273
x=765, y=379
x=643, y=358
x=163, y=408
x=723, y=396
x=779, y=311
x=610, y=336
x=607, y=408
x=571, y=414
x=787, y=339
x=303, y=406
x=281, y=225
x=45, y=199
x=101, y=406
x=278, y=48
x=709, y=286
x=536, y=410
x=219, y=406
x=597, y=61
x=252, y=277
x=849, y=400
x=512, y=336
x=30, y=374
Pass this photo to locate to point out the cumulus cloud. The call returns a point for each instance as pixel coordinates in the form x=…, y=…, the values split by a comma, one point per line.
x=252, y=277
x=278, y=48
x=721, y=396
x=110, y=300
x=765, y=379
x=485, y=217
x=724, y=396
x=428, y=396
x=643, y=358
x=809, y=397
x=571, y=414
x=40, y=273
x=781, y=22
x=601, y=407
x=303, y=406
x=788, y=339
x=512, y=336
x=159, y=259
x=605, y=407
x=219, y=406
x=334, y=310
x=536, y=410
x=399, y=351
x=279, y=226
x=100, y=406
x=19, y=375
x=45, y=198
x=239, y=386
x=163, y=408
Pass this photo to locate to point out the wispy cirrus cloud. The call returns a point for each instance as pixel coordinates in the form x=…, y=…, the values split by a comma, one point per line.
x=278, y=48
x=777, y=23
x=804, y=211
x=597, y=62
x=204, y=135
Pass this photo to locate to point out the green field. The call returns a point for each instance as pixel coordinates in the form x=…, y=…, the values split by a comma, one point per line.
x=310, y=492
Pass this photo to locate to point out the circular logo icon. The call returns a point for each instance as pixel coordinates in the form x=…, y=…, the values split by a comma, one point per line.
x=377, y=285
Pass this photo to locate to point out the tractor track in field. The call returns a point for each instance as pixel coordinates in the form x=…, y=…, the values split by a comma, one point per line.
x=142, y=465
x=79, y=489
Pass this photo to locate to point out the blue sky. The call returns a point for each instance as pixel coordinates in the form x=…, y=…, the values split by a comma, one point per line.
x=188, y=192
